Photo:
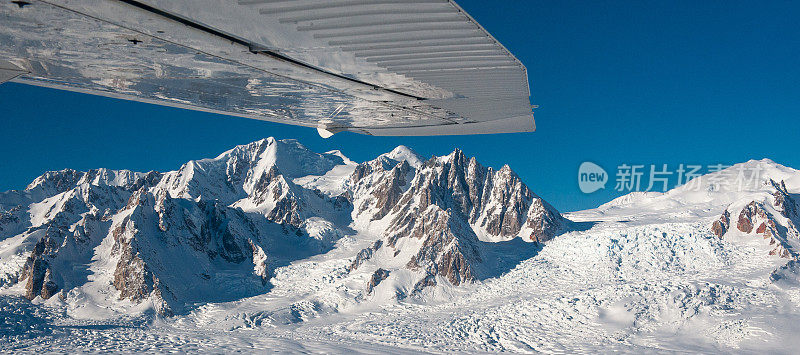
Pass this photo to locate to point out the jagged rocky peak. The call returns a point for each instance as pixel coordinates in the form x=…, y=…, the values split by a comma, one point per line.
x=216, y=229
x=163, y=246
x=376, y=185
x=496, y=202
x=785, y=202
x=446, y=215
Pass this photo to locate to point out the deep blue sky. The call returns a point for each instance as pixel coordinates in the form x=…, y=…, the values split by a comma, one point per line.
x=649, y=82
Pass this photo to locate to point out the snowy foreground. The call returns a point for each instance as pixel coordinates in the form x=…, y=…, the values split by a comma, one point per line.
x=643, y=273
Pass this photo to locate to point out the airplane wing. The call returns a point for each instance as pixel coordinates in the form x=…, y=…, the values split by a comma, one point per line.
x=378, y=67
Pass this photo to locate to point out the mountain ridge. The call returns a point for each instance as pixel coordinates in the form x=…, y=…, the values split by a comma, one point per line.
x=168, y=240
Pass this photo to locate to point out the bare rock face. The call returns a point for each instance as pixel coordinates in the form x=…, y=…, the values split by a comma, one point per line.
x=749, y=212
x=378, y=276
x=505, y=205
x=55, y=182
x=544, y=222
x=173, y=238
x=785, y=202
x=204, y=233
x=378, y=185
x=451, y=205
x=274, y=188
x=34, y=271
x=496, y=203
x=132, y=277
x=720, y=226
x=49, y=287
x=448, y=249
x=388, y=194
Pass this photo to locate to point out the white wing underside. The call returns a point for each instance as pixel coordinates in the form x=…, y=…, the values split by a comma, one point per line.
x=379, y=67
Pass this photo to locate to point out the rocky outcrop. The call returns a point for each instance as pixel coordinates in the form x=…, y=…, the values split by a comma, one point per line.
x=496, y=203
x=173, y=238
x=378, y=276
x=54, y=182
x=721, y=226
x=388, y=194
x=132, y=277
x=544, y=222
x=428, y=281
x=755, y=219
x=748, y=215
x=785, y=202
x=379, y=184
x=775, y=222
x=364, y=255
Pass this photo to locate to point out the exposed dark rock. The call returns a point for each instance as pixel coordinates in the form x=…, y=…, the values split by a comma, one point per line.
x=215, y=238
x=34, y=271
x=378, y=276
x=286, y=211
x=428, y=281
x=754, y=217
x=131, y=276
x=37, y=267
x=55, y=182
x=446, y=202
x=784, y=201
x=720, y=226
x=49, y=287
x=364, y=255
x=388, y=193
x=745, y=222
x=544, y=221
x=236, y=216
x=443, y=252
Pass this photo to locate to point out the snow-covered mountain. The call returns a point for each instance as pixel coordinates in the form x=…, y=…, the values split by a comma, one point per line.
x=749, y=199
x=270, y=245
x=216, y=229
